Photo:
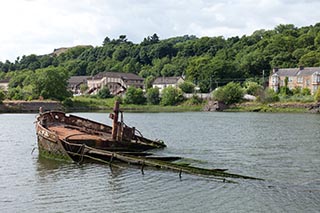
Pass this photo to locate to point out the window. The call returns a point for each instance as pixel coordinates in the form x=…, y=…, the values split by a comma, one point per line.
x=300, y=80
x=316, y=77
x=290, y=79
x=308, y=82
x=315, y=88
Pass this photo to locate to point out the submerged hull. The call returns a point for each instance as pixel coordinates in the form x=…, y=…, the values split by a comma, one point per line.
x=71, y=138
x=65, y=137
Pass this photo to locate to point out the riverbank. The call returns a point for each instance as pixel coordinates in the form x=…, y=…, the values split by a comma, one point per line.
x=275, y=107
x=90, y=104
x=29, y=106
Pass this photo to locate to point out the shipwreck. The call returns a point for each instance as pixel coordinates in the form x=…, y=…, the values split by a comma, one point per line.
x=71, y=138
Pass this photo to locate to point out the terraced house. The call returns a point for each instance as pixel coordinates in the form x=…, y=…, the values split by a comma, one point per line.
x=117, y=82
x=302, y=77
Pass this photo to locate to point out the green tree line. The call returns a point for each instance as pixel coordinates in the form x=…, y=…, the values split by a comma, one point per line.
x=208, y=62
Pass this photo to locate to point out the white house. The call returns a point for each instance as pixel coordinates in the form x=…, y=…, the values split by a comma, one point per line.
x=163, y=82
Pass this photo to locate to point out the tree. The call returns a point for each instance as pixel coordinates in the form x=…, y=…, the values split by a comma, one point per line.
x=153, y=96
x=148, y=82
x=134, y=96
x=229, y=94
x=51, y=83
x=171, y=96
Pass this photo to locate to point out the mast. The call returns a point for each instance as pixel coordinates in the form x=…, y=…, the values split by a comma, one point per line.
x=115, y=120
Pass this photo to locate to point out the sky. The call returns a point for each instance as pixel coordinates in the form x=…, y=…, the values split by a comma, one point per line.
x=40, y=26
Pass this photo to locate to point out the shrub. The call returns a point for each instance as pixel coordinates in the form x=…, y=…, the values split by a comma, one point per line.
x=67, y=102
x=252, y=88
x=269, y=96
x=187, y=87
x=2, y=96
x=104, y=92
x=305, y=91
x=229, y=94
x=194, y=100
x=285, y=91
x=317, y=95
x=134, y=96
x=171, y=96
x=153, y=96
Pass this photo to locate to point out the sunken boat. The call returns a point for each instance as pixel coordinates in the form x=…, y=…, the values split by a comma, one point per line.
x=70, y=137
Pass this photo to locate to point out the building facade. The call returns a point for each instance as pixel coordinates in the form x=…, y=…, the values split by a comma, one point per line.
x=116, y=82
x=302, y=77
x=75, y=82
x=4, y=85
x=163, y=82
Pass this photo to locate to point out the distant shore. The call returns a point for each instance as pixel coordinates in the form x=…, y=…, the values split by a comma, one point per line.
x=33, y=107
x=29, y=106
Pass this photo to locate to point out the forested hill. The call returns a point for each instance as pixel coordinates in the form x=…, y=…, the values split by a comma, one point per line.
x=206, y=61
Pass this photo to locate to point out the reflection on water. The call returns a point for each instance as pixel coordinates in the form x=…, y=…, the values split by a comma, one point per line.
x=282, y=148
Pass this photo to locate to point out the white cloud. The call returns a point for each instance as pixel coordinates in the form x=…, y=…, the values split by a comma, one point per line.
x=39, y=26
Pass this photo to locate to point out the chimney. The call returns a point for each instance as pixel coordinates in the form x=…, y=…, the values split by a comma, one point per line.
x=275, y=70
x=301, y=67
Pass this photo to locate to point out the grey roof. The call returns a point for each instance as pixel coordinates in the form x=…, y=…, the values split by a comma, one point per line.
x=75, y=80
x=306, y=71
x=5, y=81
x=166, y=80
x=125, y=76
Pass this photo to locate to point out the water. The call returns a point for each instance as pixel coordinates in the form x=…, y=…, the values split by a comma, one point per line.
x=283, y=149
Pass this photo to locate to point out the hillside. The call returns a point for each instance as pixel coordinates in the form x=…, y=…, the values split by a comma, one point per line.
x=207, y=61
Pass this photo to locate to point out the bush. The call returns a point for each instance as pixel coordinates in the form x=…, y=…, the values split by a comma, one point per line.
x=317, y=95
x=171, y=96
x=187, y=87
x=16, y=93
x=153, y=96
x=134, y=96
x=67, y=102
x=253, y=88
x=194, y=100
x=296, y=90
x=229, y=94
x=2, y=96
x=305, y=91
x=104, y=92
x=269, y=96
x=285, y=91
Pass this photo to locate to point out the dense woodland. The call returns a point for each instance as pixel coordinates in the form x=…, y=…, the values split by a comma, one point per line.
x=208, y=61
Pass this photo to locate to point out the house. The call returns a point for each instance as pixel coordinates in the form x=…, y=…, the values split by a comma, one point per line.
x=163, y=82
x=4, y=85
x=117, y=82
x=75, y=82
x=303, y=77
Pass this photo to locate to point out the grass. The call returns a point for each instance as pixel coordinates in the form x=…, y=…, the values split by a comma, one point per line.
x=93, y=104
x=289, y=107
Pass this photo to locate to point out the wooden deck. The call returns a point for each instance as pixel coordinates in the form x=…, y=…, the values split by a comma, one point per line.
x=74, y=134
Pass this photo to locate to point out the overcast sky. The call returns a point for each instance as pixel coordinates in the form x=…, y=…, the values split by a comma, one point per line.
x=39, y=26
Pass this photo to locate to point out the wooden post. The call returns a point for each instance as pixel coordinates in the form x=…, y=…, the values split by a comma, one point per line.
x=115, y=120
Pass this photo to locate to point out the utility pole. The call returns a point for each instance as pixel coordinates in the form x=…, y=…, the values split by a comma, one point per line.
x=263, y=78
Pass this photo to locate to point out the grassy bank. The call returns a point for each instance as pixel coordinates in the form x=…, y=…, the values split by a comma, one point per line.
x=290, y=107
x=94, y=104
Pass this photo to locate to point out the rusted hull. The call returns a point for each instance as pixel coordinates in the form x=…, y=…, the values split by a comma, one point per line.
x=50, y=146
x=59, y=135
